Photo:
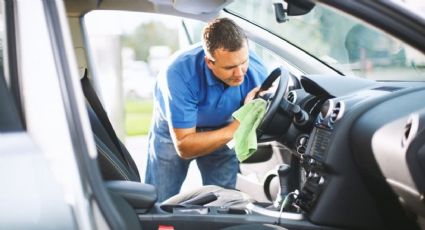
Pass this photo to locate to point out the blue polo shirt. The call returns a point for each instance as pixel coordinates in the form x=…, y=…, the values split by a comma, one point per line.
x=188, y=95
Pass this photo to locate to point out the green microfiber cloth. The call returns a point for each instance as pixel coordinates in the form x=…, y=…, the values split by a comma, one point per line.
x=249, y=117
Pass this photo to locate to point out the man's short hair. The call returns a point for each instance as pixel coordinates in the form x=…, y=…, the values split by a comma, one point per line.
x=222, y=33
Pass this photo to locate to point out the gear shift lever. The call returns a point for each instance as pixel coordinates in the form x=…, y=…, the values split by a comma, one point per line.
x=288, y=180
x=283, y=172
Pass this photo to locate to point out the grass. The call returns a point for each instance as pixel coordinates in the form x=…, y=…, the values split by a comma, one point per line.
x=138, y=115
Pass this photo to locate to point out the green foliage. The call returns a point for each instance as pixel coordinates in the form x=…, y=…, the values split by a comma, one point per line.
x=150, y=34
x=138, y=115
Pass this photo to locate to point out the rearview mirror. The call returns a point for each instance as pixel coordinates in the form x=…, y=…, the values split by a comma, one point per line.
x=293, y=8
x=298, y=7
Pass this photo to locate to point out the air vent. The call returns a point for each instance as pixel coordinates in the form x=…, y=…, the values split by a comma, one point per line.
x=388, y=88
x=337, y=112
x=406, y=134
x=292, y=97
x=410, y=129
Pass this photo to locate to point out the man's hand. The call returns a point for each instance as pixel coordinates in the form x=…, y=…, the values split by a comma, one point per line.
x=251, y=95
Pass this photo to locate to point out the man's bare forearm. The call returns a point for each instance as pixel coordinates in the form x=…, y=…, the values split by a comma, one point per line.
x=197, y=144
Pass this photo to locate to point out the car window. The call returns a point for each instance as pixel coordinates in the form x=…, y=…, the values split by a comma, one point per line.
x=271, y=60
x=192, y=30
x=127, y=51
x=349, y=45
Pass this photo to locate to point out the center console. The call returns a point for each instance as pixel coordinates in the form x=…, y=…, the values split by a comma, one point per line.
x=214, y=217
x=315, y=154
x=314, y=168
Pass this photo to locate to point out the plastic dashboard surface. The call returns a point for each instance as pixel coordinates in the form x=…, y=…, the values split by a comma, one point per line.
x=343, y=163
x=401, y=143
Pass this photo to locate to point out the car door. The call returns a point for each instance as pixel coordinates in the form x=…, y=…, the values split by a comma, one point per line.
x=33, y=194
x=45, y=153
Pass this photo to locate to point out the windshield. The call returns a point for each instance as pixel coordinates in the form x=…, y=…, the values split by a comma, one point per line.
x=348, y=45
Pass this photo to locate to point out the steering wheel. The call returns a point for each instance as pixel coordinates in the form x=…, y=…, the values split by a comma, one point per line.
x=277, y=118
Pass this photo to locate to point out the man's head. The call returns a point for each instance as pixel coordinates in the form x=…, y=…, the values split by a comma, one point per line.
x=226, y=50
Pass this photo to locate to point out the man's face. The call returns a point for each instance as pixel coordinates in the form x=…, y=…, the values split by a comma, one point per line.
x=229, y=67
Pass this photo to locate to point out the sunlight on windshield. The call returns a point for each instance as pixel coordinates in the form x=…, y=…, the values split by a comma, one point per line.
x=348, y=45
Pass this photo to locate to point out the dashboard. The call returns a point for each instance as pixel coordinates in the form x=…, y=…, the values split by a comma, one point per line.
x=351, y=152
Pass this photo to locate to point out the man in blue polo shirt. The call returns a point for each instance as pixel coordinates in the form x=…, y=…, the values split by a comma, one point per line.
x=194, y=100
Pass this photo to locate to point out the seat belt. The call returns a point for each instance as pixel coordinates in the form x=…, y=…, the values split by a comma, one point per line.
x=97, y=107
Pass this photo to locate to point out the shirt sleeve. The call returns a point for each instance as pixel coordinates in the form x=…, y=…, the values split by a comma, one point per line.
x=180, y=101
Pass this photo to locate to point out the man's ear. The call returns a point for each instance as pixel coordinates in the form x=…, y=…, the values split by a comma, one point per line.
x=209, y=62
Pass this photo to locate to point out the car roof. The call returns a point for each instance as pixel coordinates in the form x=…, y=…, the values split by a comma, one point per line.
x=200, y=9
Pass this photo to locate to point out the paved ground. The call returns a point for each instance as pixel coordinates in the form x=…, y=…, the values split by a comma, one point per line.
x=137, y=147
